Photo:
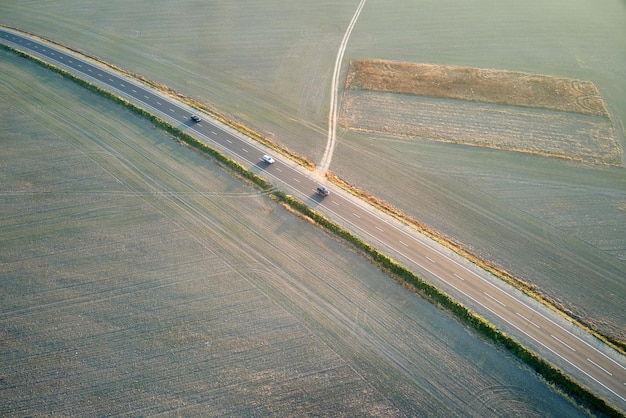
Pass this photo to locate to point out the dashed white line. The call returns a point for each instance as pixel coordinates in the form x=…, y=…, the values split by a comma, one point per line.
x=489, y=296
x=458, y=277
x=599, y=367
x=229, y=141
x=379, y=228
x=110, y=79
x=215, y=133
x=298, y=181
x=430, y=259
x=159, y=103
x=133, y=90
x=356, y=215
x=145, y=96
x=279, y=170
x=244, y=150
x=122, y=84
x=172, y=110
x=571, y=348
x=335, y=203
x=89, y=69
x=526, y=319
x=404, y=243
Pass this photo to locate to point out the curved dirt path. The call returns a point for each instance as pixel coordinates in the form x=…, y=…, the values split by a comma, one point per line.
x=332, y=114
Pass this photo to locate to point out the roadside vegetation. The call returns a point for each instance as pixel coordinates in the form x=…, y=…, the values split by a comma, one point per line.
x=552, y=375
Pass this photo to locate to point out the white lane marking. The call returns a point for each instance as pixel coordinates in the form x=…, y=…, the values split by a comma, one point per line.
x=159, y=103
x=279, y=170
x=110, y=79
x=430, y=259
x=172, y=110
x=145, y=96
x=122, y=84
x=489, y=296
x=566, y=345
x=404, y=243
x=296, y=179
x=229, y=141
x=379, y=228
x=80, y=65
x=458, y=277
x=526, y=319
x=99, y=74
x=356, y=215
x=133, y=90
x=335, y=203
x=599, y=367
x=89, y=69
x=244, y=150
x=215, y=133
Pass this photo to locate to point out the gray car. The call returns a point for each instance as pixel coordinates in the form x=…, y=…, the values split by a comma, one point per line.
x=322, y=190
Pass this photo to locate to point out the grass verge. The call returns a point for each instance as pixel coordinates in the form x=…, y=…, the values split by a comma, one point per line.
x=551, y=374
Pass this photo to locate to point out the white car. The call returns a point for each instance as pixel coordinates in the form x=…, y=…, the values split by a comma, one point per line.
x=268, y=159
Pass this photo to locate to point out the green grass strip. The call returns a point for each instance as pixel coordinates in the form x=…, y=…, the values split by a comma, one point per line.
x=552, y=375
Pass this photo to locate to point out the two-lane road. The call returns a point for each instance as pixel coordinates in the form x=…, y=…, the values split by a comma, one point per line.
x=596, y=366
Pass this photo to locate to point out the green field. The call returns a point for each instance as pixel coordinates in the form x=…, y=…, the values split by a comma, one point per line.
x=559, y=225
x=139, y=278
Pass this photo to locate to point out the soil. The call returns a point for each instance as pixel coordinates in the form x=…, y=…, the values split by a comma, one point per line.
x=478, y=85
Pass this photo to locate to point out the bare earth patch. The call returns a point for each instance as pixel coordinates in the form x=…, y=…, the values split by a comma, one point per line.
x=511, y=88
x=508, y=110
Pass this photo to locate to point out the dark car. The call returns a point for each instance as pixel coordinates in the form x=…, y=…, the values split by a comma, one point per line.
x=322, y=191
x=196, y=118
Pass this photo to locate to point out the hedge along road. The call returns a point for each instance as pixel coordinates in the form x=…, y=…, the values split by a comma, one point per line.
x=598, y=367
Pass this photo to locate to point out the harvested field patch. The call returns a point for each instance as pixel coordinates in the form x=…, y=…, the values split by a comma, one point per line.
x=507, y=110
x=512, y=88
x=537, y=131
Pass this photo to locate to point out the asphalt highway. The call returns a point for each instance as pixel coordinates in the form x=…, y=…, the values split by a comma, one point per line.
x=594, y=365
